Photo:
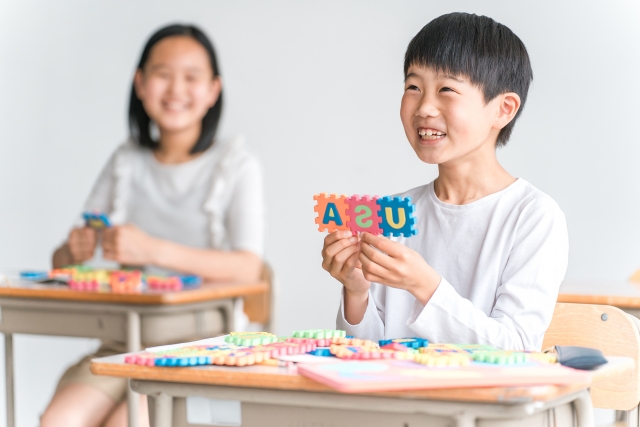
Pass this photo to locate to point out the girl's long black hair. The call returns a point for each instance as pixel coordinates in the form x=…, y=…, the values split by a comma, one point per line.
x=139, y=121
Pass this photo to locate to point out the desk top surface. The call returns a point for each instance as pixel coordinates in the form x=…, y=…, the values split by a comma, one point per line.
x=619, y=293
x=208, y=291
x=283, y=378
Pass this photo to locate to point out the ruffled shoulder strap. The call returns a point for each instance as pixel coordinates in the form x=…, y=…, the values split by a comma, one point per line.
x=123, y=168
x=232, y=154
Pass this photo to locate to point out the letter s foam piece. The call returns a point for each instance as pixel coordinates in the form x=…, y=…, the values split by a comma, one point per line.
x=364, y=214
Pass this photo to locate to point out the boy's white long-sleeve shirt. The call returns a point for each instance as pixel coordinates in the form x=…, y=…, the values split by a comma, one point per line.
x=501, y=258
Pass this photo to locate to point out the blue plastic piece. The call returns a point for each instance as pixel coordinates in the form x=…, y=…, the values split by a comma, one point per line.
x=34, y=275
x=413, y=342
x=399, y=221
x=190, y=280
x=97, y=220
x=350, y=337
x=323, y=352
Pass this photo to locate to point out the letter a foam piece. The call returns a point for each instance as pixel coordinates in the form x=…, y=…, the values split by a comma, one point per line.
x=332, y=212
x=397, y=216
x=363, y=213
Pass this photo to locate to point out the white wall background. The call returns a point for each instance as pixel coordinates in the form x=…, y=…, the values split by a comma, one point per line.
x=315, y=86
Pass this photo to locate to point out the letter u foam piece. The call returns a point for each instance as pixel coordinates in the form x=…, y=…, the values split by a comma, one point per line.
x=397, y=216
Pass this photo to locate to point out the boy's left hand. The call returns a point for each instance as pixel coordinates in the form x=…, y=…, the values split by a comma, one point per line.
x=393, y=264
x=128, y=245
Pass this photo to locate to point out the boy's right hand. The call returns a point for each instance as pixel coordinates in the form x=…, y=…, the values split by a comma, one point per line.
x=82, y=244
x=340, y=259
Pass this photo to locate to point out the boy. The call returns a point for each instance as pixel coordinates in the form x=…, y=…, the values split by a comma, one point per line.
x=491, y=250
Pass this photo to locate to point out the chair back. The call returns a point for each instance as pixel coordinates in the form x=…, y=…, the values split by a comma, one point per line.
x=259, y=307
x=609, y=330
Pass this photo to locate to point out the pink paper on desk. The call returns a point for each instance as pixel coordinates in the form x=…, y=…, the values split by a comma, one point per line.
x=388, y=375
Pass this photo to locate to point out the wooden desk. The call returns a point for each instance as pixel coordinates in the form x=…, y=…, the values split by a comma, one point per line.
x=622, y=294
x=275, y=396
x=27, y=308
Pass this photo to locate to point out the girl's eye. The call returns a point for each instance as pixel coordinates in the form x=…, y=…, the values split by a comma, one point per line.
x=446, y=89
x=412, y=87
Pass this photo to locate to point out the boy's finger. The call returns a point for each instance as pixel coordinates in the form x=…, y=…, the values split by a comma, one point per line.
x=377, y=257
x=385, y=245
x=371, y=267
x=338, y=263
x=335, y=236
x=333, y=249
x=353, y=261
x=372, y=277
x=344, y=255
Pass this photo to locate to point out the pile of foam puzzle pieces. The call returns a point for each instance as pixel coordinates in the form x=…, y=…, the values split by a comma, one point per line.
x=120, y=281
x=249, y=348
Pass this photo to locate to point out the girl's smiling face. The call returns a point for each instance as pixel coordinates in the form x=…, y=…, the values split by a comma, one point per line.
x=446, y=117
x=177, y=86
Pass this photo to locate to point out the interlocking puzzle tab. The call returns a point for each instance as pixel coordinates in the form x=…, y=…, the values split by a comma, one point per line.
x=389, y=216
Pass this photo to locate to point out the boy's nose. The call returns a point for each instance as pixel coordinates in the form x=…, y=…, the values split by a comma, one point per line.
x=426, y=108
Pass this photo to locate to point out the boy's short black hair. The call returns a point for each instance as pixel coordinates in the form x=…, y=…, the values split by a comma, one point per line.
x=485, y=51
x=140, y=122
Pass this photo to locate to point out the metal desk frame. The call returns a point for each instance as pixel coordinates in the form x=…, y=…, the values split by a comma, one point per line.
x=111, y=321
x=165, y=396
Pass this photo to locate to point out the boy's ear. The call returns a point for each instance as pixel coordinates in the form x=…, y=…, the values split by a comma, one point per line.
x=509, y=104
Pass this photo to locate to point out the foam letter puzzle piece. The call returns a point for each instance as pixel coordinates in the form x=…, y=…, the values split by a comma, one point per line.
x=364, y=215
x=332, y=212
x=397, y=216
x=250, y=338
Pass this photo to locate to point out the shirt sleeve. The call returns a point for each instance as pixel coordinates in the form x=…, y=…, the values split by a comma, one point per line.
x=244, y=218
x=102, y=193
x=371, y=327
x=101, y=196
x=524, y=301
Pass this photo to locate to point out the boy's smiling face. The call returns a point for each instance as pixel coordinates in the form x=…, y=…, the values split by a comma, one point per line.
x=446, y=117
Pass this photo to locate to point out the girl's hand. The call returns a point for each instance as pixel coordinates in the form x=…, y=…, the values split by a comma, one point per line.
x=128, y=245
x=340, y=259
x=395, y=265
x=82, y=244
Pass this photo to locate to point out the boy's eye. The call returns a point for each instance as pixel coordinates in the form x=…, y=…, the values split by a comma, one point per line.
x=446, y=89
x=412, y=87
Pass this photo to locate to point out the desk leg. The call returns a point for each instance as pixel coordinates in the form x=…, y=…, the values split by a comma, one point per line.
x=584, y=409
x=163, y=410
x=133, y=344
x=632, y=418
x=464, y=420
x=8, y=377
x=231, y=315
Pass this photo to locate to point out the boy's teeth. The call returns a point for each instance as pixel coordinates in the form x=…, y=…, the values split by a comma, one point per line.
x=430, y=134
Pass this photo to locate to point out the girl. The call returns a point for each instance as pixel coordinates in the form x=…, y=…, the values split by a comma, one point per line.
x=186, y=201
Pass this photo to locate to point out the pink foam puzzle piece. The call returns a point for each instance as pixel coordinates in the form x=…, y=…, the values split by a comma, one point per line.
x=363, y=213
